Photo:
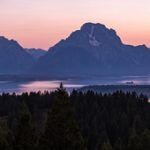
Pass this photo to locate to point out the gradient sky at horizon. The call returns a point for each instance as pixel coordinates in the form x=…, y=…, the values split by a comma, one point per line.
x=42, y=23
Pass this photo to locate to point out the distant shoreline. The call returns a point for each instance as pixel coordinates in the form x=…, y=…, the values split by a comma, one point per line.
x=139, y=89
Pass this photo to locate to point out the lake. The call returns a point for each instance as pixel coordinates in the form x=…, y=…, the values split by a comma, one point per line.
x=20, y=86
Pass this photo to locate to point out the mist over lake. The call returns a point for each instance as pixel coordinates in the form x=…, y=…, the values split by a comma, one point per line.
x=106, y=84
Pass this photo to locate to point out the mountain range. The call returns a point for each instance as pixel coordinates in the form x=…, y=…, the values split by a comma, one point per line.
x=13, y=58
x=93, y=50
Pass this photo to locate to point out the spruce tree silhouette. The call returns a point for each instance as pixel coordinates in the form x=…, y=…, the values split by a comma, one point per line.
x=61, y=131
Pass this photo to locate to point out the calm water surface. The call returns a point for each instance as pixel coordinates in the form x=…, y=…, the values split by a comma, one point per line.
x=33, y=86
x=28, y=86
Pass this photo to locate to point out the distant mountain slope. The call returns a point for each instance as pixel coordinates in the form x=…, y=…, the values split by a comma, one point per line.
x=36, y=53
x=13, y=58
x=94, y=50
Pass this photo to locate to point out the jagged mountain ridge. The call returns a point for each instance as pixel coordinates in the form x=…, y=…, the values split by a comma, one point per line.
x=13, y=58
x=94, y=50
x=36, y=53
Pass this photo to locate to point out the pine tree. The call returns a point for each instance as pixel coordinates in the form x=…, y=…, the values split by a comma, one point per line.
x=145, y=139
x=106, y=146
x=3, y=140
x=6, y=137
x=118, y=144
x=138, y=124
x=25, y=136
x=134, y=142
x=61, y=131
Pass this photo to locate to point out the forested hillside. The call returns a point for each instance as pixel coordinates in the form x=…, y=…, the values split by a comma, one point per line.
x=75, y=121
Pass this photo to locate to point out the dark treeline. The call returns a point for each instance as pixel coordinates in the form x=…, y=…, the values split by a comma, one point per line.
x=78, y=121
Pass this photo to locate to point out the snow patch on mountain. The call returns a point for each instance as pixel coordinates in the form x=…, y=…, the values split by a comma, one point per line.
x=92, y=39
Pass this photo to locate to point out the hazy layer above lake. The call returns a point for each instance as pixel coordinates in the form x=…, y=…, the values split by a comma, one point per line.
x=18, y=85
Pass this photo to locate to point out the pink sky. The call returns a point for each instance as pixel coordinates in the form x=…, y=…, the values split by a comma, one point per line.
x=42, y=23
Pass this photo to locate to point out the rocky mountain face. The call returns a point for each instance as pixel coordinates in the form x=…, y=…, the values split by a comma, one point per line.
x=36, y=53
x=13, y=58
x=92, y=51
